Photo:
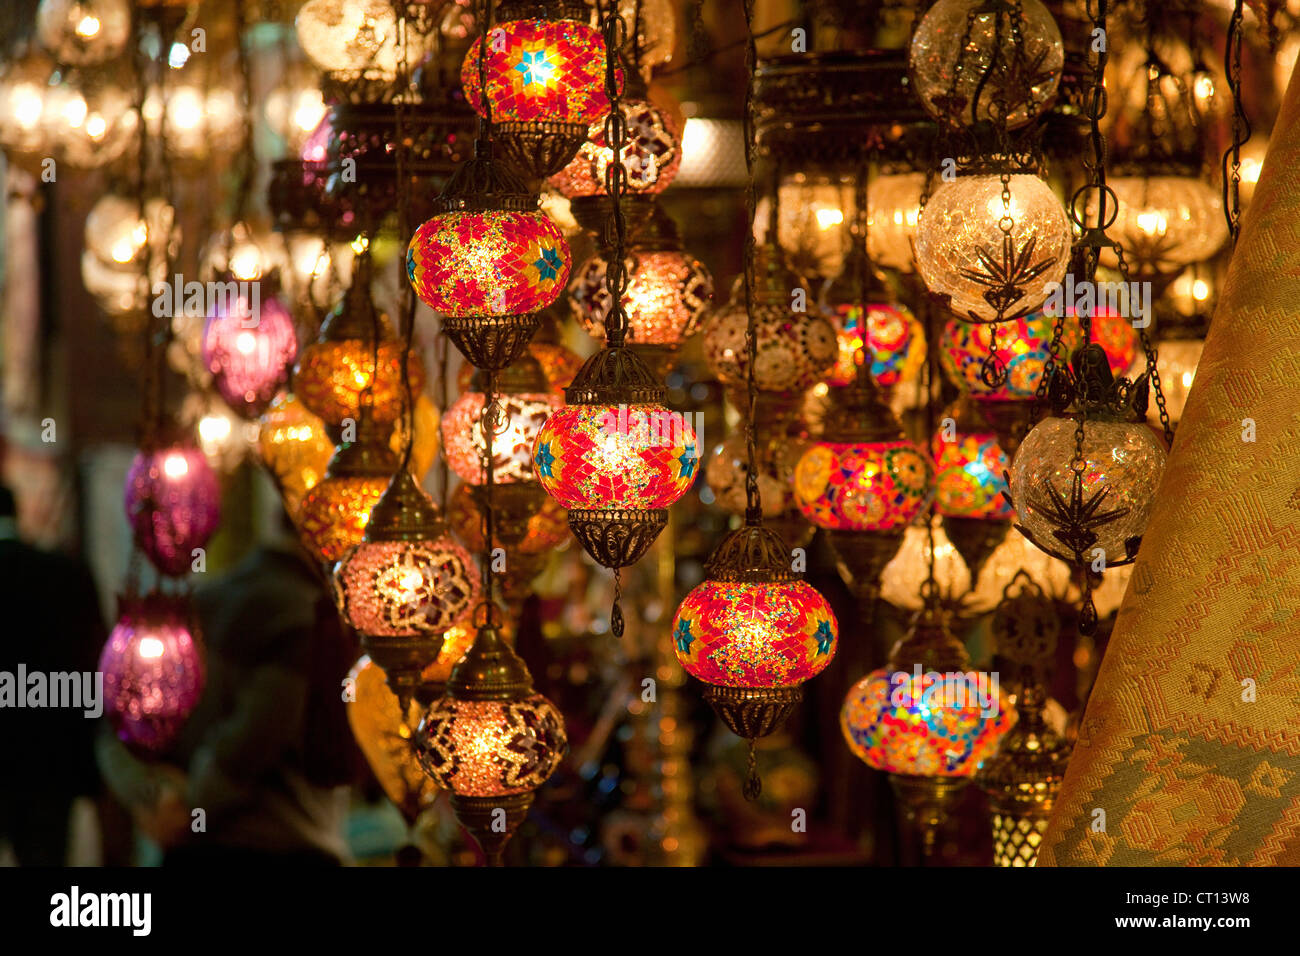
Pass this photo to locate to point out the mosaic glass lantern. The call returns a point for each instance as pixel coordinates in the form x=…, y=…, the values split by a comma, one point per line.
x=491, y=740
x=652, y=155
x=753, y=633
x=336, y=374
x=406, y=584
x=488, y=261
x=973, y=61
x=988, y=274
x=545, y=82
x=667, y=293
x=969, y=487
x=173, y=503
x=333, y=514
x=794, y=349
x=153, y=671
x=249, y=354
x=529, y=524
x=894, y=339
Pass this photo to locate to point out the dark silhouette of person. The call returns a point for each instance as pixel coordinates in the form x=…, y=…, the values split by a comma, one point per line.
x=52, y=626
x=258, y=773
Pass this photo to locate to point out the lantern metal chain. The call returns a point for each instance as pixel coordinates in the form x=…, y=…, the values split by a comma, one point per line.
x=616, y=137
x=1241, y=131
x=402, y=150
x=753, y=499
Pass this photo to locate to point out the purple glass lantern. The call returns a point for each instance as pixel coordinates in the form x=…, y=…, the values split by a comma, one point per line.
x=248, y=347
x=153, y=671
x=173, y=502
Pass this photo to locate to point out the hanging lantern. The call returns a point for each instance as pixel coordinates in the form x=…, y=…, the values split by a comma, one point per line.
x=249, y=354
x=919, y=720
x=893, y=338
x=972, y=61
x=529, y=524
x=406, y=584
x=173, y=503
x=863, y=482
x=1023, y=777
x=668, y=291
x=488, y=261
x=994, y=257
x=336, y=374
x=333, y=514
x=492, y=740
x=1176, y=361
x=89, y=120
x=153, y=670
x=1164, y=223
x=795, y=349
x=357, y=44
x=384, y=733
x=1099, y=508
x=616, y=458
x=969, y=487
x=545, y=80
x=813, y=210
x=754, y=634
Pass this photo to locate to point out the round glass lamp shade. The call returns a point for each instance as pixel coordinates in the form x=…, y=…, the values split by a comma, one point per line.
x=1165, y=222
x=332, y=376
x=962, y=252
x=861, y=486
x=24, y=100
x=117, y=235
x=794, y=350
x=249, y=354
x=1122, y=459
x=959, y=42
x=927, y=726
x=612, y=458
x=968, y=471
x=893, y=208
x=357, y=37
x=332, y=516
x=893, y=337
x=491, y=748
x=173, y=502
x=520, y=420
x=406, y=588
x=651, y=157
x=742, y=634
x=539, y=71
x=667, y=293
x=83, y=32
x=153, y=672
x=495, y=262
x=812, y=219
x=89, y=119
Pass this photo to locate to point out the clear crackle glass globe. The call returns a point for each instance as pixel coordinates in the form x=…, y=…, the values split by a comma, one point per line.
x=961, y=250
x=1123, y=459
x=957, y=41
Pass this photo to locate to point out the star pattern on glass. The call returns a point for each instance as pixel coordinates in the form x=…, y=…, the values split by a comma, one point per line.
x=544, y=459
x=548, y=264
x=824, y=637
x=536, y=68
x=1075, y=519
x=687, y=461
x=683, y=636
x=1008, y=278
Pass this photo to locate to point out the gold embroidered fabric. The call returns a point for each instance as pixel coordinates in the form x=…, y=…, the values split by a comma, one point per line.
x=1189, y=751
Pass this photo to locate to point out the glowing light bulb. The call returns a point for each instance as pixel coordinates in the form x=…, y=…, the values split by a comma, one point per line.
x=28, y=105
x=186, y=109
x=1188, y=378
x=246, y=263
x=88, y=26
x=74, y=111
x=178, y=56
x=123, y=251
x=1152, y=223
x=175, y=466
x=214, y=429
x=826, y=218
x=151, y=648
x=96, y=126
x=1200, y=290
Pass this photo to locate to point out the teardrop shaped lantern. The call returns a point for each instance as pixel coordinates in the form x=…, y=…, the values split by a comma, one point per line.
x=173, y=502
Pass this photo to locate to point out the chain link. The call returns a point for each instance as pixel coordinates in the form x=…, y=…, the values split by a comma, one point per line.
x=616, y=180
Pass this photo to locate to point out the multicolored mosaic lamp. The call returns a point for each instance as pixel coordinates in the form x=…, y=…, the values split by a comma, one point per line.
x=920, y=721
x=153, y=670
x=488, y=261
x=406, y=584
x=249, y=355
x=544, y=73
x=968, y=485
x=894, y=340
x=491, y=741
x=173, y=503
x=754, y=633
x=863, y=482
